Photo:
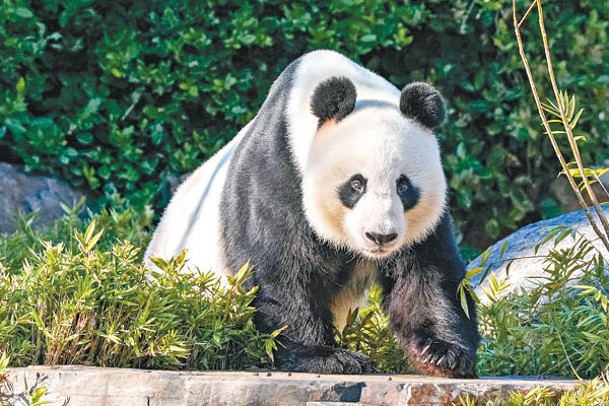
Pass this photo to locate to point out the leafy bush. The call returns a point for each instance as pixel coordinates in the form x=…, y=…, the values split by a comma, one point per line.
x=367, y=331
x=128, y=96
x=73, y=303
x=592, y=393
x=558, y=328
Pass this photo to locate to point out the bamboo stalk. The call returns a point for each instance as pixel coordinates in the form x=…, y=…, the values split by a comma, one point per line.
x=569, y=131
x=546, y=124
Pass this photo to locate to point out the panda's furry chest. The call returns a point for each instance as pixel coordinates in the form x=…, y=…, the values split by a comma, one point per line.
x=351, y=292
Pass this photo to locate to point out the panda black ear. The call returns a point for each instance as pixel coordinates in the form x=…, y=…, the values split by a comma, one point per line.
x=333, y=99
x=423, y=103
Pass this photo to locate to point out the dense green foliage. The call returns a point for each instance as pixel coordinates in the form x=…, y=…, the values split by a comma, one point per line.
x=124, y=96
x=76, y=302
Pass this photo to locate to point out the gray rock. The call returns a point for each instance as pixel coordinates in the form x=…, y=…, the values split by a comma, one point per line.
x=562, y=192
x=521, y=244
x=23, y=193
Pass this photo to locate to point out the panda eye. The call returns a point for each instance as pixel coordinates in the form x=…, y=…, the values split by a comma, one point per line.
x=409, y=194
x=357, y=185
x=352, y=190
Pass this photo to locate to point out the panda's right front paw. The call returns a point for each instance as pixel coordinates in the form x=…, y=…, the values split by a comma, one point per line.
x=441, y=358
x=326, y=360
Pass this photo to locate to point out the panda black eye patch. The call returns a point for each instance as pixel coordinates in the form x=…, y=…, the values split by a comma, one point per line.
x=409, y=194
x=352, y=190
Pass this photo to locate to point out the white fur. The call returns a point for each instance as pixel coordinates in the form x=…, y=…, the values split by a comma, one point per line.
x=314, y=68
x=380, y=144
x=181, y=229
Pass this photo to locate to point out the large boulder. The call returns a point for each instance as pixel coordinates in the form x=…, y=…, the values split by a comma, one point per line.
x=22, y=193
x=521, y=244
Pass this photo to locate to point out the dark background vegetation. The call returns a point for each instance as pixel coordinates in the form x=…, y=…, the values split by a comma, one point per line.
x=123, y=97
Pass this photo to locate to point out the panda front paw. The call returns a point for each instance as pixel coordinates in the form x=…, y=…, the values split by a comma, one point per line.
x=441, y=358
x=325, y=360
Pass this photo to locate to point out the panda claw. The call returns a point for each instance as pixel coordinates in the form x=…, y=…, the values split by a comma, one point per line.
x=425, y=349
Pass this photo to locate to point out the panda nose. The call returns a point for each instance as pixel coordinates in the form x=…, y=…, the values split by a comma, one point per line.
x=381, y=239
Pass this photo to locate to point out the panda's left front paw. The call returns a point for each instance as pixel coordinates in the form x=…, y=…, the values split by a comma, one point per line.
x=441, y=358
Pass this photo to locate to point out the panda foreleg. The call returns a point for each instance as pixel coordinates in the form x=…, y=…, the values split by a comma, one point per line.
x=420, y=288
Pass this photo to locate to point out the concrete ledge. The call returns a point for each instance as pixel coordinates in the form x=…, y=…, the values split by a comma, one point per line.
x=94, y=386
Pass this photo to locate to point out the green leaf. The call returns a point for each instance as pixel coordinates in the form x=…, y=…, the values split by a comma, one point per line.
x=369, y=38
x=575, y=120
x=492, y=228
x=473, y=272
x=24, y=12
x=503, y=248
x=20, y=86
x=463, y=299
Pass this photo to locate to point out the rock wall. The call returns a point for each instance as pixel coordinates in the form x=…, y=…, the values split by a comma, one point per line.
x=23, y=193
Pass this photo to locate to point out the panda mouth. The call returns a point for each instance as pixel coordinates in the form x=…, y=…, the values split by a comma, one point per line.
x=379, y=252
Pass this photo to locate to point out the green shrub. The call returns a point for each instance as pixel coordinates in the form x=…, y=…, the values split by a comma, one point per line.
x=367, y=331
x=560, y=327
x=76, y=303
x=592, y=393
x=126, y=96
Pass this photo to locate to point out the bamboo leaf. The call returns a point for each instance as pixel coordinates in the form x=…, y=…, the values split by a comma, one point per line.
x=464, y=305
x=576, y=118
x=503, y=248
x=473, y=272
x=571, y=107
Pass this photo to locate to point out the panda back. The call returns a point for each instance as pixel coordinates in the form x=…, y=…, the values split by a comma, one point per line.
x=191, y=220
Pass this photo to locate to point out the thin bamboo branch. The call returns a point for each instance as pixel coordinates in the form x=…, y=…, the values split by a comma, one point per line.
x=531, y=7
x=565, y=121
x=546, y=125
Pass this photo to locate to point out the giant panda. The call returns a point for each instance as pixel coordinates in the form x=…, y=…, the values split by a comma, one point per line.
x=335, y=183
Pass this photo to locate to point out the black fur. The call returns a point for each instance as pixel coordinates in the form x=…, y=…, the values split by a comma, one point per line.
x=423, y=103
x=297, y=274
x=420, y=297
x=333, y=98
x=262, y=220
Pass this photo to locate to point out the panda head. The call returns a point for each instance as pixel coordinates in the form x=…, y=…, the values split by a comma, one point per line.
x=373, y=181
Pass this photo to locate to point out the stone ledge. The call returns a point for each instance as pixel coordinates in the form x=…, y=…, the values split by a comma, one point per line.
x=95, y=386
